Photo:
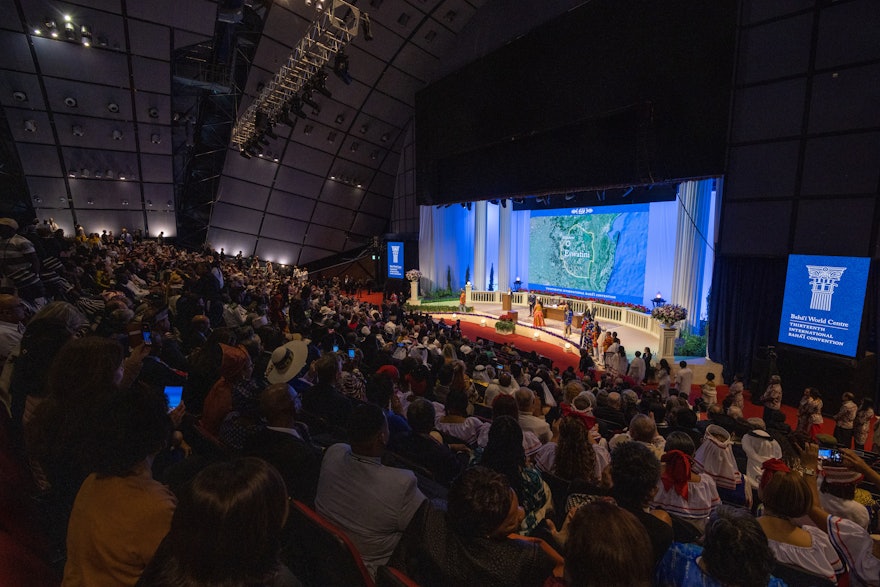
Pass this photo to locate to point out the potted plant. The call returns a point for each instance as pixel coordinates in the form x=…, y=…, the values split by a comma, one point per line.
x=505, y=324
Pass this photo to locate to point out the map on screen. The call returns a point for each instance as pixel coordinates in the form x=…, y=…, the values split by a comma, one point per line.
x=598, y=252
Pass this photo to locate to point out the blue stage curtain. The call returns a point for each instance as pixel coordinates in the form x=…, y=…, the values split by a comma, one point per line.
x=446, y=241
x=744, y=310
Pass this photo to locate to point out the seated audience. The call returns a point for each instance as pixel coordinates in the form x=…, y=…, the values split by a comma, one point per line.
x=424, y=448
x=635, y=474
x=471, y=544
x=606, y=546
x=735, y=553
x=226, y=530
x=715, y=458
x=682, y=492
x=456, y=423
x=372, y=503
x=531, y=418
x=504, y=454
x=121, y=514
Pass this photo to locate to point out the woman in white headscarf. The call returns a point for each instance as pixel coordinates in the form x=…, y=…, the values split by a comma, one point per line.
x=715, y=458
x=758, y=446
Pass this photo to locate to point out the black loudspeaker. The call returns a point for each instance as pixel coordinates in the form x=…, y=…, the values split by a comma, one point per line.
x=831, y=375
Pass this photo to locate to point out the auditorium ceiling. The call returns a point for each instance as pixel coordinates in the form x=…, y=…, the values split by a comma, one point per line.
x=118, y=113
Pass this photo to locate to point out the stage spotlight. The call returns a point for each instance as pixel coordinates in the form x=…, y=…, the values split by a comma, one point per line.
x=244, y=153
x=368, y=26
x=319, y=83
x=69, y=31
x=340, y=118
x=77, y=130
x=51, y=28
x=340, y=67
x=30, y=125
x=307, y=99
x=296, y=106
x=285, y=117
x=85, y=36
x=261, y=121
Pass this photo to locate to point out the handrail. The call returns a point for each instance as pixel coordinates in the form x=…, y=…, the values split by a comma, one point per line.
x=626, y=316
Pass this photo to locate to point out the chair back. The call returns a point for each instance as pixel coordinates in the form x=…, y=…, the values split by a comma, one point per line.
x=792, y=575
x=319, y=553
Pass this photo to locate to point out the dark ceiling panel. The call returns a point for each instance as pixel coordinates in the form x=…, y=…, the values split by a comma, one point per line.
x=290, y=205
x=39, y=159
x=116, y=162
x=20, y=121
x=11, y=82
x=236, y=218
x=99, y=66
x=241, y=193
x=377, y=204
x=159, y=196
x=122, y=195
x=303, y=157
x=329, y=215
x=156, y=168
x=100, y=220
x=197, y=16
x=92, y=100
x=16, y=53
x=151, y=73
x=331, y=239
x=285, y=26
x=299, y=182
x=96, y=133
x=46, y=188
x=149, y=40
x=255, y=170
x=146, y=100
x=283, y=229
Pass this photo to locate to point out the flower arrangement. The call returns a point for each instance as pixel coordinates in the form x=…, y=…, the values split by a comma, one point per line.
x=413, y=275
x=669, y=314
x=505, y=324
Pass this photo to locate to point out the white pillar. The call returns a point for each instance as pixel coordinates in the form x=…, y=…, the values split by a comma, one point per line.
x=478, y=276
x=667, y=343
x=468, y=298
x=690, y=248
x=505, y=282
x=414, y=293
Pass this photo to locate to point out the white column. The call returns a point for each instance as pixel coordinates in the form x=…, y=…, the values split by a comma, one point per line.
x=504, y=280
x=690, y=246
x=478, y=275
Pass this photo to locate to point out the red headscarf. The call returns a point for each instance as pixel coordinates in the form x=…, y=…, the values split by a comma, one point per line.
x=588, y=420
x=677, y=472
x=771, y=466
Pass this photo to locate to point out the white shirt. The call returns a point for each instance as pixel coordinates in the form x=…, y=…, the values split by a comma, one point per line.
x=372, y=503
x=10, y=337
x=683, y=379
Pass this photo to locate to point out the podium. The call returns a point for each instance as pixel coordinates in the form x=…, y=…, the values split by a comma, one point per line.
x=505, y=302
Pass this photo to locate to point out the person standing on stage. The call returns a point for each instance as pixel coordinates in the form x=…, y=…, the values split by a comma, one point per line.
x=568, y=316
x=533, y=299
x=538, y=316
x=462, y=298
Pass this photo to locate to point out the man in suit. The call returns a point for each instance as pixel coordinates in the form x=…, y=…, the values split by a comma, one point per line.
x=533, y=299
x=284, y=443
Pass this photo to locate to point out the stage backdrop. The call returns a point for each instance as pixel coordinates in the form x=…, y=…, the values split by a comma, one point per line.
x=623, y=253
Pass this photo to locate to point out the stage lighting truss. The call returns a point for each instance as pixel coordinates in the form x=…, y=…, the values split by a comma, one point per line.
x=328, y=34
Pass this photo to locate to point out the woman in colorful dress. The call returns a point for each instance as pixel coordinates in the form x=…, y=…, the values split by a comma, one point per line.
x=538, y=318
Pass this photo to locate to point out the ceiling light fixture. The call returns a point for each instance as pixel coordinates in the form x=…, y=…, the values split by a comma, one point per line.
x=109, y=174
x=70, y=31
x=385, y=137
x=150, y=203
x=340, y=118
x=99, y=174
x=30, y=125
x=77, y=130
x=113, y=107
x=117, y=134
x=19, y=96
x=85, y=36
x=85, y=172
x=155, y=139
x=307, y=129
x=153, y=112
x=51, y=28
x=70, y=102
x=90, y=201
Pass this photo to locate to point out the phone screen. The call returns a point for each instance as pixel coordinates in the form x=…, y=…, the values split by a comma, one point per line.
x=830, y=455
x=173, y=393
x=147, y=334
x=335, y=348
x=351, y=353
x=499, y=367
x=400, y=344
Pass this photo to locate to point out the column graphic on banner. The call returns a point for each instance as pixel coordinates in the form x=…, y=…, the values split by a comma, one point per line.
x=823, y=281
x=395, y=259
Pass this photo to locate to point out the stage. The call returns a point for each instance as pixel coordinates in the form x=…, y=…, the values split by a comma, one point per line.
x=552, y=333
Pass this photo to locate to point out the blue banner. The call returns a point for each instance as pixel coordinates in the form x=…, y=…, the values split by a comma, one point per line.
x=395, y=259
x=824, y=298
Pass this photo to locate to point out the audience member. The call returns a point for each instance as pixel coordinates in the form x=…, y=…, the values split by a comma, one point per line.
x=372, y=503
x=226, y=530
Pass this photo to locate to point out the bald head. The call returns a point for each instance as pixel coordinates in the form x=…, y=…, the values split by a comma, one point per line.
x=276, y=405
x=524, y=397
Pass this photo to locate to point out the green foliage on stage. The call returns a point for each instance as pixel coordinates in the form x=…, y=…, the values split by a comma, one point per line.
x=505, y=327
x=690, y=345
